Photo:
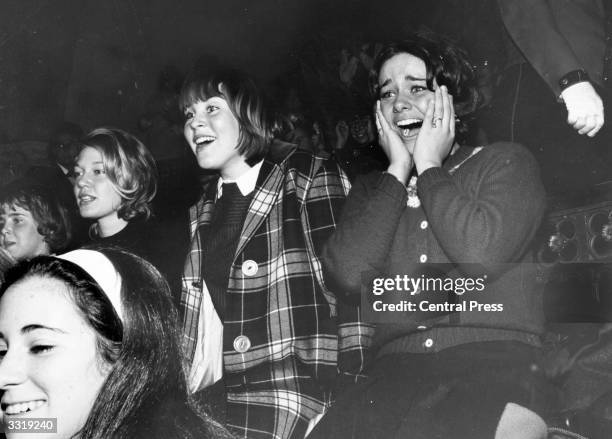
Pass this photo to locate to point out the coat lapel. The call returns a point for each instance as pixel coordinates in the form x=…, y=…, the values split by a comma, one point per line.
x=267, y=190
x=200, y=217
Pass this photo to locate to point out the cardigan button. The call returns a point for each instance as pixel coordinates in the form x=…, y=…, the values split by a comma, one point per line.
x=423, y=259
x=249, y=267
x=424, y=224
x=428, y=343
x=242, y=344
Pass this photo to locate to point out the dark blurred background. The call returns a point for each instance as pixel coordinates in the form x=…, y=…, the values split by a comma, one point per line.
x=98, y=62
x=121, y=63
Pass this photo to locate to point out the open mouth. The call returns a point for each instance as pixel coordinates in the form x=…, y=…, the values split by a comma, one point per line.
x=360, y=137
x=85, y=199
x=408, y=126
x=203, y=141
x=20, y=408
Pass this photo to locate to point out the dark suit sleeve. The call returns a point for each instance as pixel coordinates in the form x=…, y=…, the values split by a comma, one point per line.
x=531, y=25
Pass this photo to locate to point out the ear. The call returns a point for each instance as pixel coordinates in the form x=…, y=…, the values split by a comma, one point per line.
x=105, y=368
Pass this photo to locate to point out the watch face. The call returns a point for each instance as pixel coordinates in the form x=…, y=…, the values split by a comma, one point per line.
x=573, y=77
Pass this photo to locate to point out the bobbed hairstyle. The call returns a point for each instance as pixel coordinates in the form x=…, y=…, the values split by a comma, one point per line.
x=245, y=100
x=50, y=214
x=130, y=167
x=145, y=392
x=444, y=62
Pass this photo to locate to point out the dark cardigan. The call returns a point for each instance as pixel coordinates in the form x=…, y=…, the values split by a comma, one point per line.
x=481, y=219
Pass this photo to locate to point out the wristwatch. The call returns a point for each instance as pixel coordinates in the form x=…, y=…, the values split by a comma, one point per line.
x=573, y=77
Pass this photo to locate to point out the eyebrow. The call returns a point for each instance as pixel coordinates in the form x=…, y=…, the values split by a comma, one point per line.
x=409, y=77
x=212, y=98
x=35, y=327
x=99, y=162
x=387, y=81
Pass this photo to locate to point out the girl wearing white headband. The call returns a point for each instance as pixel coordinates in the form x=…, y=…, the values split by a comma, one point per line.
x=83, y=342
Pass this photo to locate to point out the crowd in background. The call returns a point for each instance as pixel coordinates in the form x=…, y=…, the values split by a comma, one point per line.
x=243, y=270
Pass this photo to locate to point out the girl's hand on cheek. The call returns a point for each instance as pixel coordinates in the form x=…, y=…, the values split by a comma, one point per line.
x=437, y=134
x=400, y=160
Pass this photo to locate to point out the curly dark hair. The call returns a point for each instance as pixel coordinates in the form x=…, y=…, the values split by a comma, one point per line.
x=444, y=62
x=50, y=214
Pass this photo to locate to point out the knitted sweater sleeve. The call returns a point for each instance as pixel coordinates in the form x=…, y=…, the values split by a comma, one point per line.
x=491, y=217
x=363, y=237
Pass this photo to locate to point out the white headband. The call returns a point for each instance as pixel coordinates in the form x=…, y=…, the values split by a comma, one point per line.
x=103, y=272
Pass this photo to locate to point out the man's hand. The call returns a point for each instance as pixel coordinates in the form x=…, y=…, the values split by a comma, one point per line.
x=585, y=111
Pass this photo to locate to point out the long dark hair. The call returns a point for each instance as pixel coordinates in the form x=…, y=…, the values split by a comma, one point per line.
x=145, y=393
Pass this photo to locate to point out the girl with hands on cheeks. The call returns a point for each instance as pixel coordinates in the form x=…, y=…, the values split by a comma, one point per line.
x=443, y=214
x=416, y=126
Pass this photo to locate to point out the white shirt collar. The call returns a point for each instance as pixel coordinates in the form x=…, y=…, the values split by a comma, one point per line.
x=246, y=182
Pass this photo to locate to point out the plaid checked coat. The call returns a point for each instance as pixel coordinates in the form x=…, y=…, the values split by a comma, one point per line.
x=300, y=336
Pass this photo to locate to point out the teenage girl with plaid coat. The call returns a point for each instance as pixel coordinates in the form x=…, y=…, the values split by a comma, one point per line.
x=260, y=324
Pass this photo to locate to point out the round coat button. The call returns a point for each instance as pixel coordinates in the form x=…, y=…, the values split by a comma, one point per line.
x=242, y=344
x=423, y=258
x=249, y=267
x=428, y=343
x=424, y=224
